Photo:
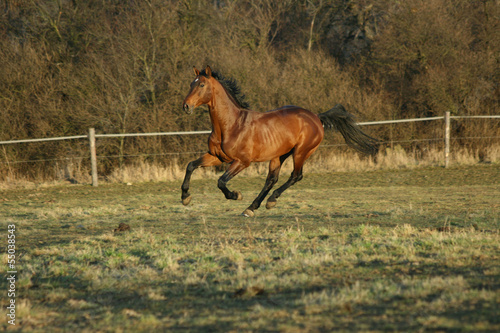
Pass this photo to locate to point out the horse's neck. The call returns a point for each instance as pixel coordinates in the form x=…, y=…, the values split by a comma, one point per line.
x=224, y=113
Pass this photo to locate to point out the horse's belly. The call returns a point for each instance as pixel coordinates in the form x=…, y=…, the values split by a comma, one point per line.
x=271, y=151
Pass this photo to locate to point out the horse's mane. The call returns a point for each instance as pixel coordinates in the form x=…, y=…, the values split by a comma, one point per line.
x=231, y=86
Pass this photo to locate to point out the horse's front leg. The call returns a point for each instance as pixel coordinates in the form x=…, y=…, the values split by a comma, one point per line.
x=235, y=168
x=204, y=161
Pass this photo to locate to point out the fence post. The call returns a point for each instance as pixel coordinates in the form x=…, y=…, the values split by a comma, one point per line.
x=93, y=156
x=447, y=139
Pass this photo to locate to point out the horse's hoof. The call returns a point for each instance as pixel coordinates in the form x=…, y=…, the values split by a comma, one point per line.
x=248, y=213
x=186, y=201
x=270, y=204
x=239, y=196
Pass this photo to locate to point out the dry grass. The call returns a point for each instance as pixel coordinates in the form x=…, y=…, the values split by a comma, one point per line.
x=323, y=161
x=327, y=159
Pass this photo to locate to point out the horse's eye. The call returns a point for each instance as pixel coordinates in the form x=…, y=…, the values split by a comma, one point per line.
x=202, y=85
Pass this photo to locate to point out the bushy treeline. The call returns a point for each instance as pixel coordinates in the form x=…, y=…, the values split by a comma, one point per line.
x=125, y=66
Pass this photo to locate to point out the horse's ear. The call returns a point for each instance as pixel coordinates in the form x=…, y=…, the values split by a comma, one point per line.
x=196, y=72
x=208, y=70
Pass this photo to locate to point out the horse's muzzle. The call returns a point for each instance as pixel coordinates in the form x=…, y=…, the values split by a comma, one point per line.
x=187, y=108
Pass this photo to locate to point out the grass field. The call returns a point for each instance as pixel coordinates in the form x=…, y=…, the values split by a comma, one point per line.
x=401, y=250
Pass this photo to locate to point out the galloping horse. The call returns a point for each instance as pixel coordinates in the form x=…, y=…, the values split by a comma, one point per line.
x=241, y=136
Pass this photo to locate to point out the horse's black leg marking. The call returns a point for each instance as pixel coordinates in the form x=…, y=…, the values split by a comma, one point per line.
x=187, y=178
x=295, y=177
x=231, y=172
x=204, y=161
x=271, y=180
x=222, y=184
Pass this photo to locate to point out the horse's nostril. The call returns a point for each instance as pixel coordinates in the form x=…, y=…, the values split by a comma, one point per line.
x=188, y=109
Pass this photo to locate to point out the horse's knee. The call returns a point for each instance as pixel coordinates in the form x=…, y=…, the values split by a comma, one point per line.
x=273, y=180
x=190, y=167
x=295, y=177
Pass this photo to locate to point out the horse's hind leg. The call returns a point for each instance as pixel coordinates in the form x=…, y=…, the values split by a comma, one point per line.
x=272, y=179
x=204, y=161
x=295, y=177
x=299, y=157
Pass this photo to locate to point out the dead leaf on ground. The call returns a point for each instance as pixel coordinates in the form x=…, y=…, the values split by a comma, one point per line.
x=122, y=227
x=131, y=313
x=347, y=307
x=249, y=292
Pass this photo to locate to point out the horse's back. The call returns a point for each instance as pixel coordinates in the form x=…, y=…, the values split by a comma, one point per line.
x=285, y=107
x=289, y=126
x=298, y=116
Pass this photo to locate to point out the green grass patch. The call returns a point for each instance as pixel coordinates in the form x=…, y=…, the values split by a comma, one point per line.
x=405, y=250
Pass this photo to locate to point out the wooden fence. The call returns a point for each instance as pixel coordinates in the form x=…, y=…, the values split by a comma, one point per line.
x=91, y=136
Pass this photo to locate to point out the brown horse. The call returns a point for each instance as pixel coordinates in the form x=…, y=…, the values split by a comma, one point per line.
x=240, y=136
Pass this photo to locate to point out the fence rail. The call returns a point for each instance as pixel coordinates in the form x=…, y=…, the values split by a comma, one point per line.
x=91, y=136
x=383, y=122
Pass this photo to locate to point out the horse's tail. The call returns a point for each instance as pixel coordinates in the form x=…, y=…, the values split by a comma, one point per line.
x=342, y=121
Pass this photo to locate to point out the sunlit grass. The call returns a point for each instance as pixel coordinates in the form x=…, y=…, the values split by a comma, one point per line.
x=376, y=251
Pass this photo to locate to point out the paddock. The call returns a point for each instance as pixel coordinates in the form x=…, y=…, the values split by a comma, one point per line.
x=399, y=250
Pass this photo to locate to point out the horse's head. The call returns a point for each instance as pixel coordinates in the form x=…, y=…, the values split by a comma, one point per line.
x=201, y=90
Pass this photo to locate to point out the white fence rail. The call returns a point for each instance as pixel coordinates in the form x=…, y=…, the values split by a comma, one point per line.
x=383, y=122
x=91, y=136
